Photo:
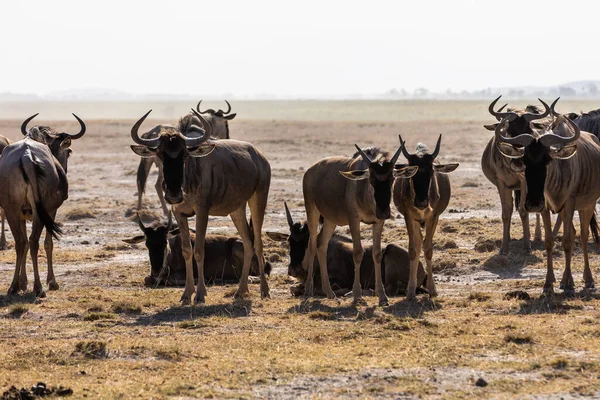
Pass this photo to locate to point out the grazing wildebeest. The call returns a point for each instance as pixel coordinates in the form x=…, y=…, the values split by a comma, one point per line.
x=340, y=263
x=3, y=143
x=561, y=168
x=346, y=191
x=206, y=177
x=220, y=130
x=504, y=173
x=33, y=176
x=223, y=262
x=421, y=199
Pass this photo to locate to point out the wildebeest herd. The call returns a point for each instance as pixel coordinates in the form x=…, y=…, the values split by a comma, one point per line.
x=548, y=162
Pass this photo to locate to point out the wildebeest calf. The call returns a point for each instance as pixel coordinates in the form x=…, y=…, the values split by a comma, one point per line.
x=223, y=263
x=340, y=263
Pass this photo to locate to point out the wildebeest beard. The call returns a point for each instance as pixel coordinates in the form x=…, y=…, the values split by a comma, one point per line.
x=536, y=159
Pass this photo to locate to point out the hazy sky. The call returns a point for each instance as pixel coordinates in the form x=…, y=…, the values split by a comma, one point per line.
x=303, y=47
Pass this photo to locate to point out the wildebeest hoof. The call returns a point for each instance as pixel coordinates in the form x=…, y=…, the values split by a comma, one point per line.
x=23, y=286
x=411, y=295
x=40, y=294
x=3, y=245
x=309, y=291
x=12, y=290
x=359, y=301
x=242, y=294
x=185, y=299
x=569, y=292
x=433, y=292
x=52, y=285
x=199, y=299
x=384, y=302
x=330, y=294
x=590, y=285
x=548, y=291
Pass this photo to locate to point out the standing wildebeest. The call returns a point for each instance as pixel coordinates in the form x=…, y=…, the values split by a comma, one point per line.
x=205, y=178
x=346, y=191
x=561, y=168
x=504, y=173
x=223, y=262
x=421, y=199
x=3, y=143
x=220, y=130
x=33, y=176
x=340, y=263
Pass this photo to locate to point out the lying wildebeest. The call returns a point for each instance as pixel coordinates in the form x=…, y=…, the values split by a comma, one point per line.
x=561, y=169
x=220, y=130
x=3, y=143
x=206, y=177
x=223, y=262
x=340, y=262
x=348, y=191
x=503, y=173
x=33, y=176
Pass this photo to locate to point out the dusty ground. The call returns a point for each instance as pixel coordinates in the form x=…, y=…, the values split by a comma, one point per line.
x=104, y=334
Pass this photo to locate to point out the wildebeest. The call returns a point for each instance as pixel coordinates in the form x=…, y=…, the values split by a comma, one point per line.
x=421, y=198
x=346, y=191
x=206, y=177
x=220, y=130
x=223, y=262
x=561, y=169
x=33, y=176
x=340, y=263
x=3, y=143
x=504, y=173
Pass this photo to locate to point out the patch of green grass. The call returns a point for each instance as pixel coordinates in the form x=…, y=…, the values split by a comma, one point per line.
x=123, y=307
x=95, y=316
x=91, y=349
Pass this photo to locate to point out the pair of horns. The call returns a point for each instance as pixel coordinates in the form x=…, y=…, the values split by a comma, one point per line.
x=368, y=160
x=189, y=142
x=73, y=137
x=435, y=153
x=511, y=116
x=211, y=111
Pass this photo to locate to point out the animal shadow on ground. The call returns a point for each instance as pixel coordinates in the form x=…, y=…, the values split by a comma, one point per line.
x=511, y=265
x=28, y=297
x=236, y=309
x=413, y=308
x=556, y=303
x=316, y=307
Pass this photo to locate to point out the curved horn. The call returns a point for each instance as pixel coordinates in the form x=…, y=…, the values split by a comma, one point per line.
x=550, y=139
x=532, y=117
x=136, y=138
x=397, y=154
x=554, y=113
x=228, y=108
x=521, y=140
x=81, y=132
x=195, y=142
x=140, y=223
x=207, y=111
x=363, y=155
x=437, y=147
x=403, y=144
x=24, y=124
x=288, y=215
x=498, y=114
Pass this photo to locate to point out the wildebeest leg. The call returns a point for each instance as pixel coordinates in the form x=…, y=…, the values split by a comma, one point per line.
x=357, y=255
x=34, y=245
x=506, y=202
x=430, y=227
x=538, y=228
x=201, y=225
x=258, y=204
x=49, y=247
x=377, y=257
x=186, y=250
x=2, y=235
x=322, y=244
x=159, y=192
x=241, y=223
x=142, y=176
x=584, y=219
x=415, y=241
x=312, y=220
x=525, y=223
x=557, y=226
x=567, y=283
x=549, y=246
x=19, y=232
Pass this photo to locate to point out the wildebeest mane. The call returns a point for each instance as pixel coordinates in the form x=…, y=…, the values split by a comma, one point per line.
x=589, y=122
x=374, y=153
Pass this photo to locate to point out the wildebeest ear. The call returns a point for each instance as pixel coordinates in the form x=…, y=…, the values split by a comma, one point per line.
x=174, y=232
x=201, y=151
x=490, y=127
x=356, y=175
x=538, y=125
x=143, y=151
x=406, y=171
x=445, y=168
x=571, y=115
x=563, y=153
x=510, y=151
x=230, y=116
x=135, y=239
x=277, y=236
x=66, y=143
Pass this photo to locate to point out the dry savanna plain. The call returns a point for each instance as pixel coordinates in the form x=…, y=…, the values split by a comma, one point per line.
x=490, y=333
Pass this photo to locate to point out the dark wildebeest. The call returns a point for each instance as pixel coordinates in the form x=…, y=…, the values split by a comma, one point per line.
x=33, y=176
x=3, y=143
x=340, y=262
x=223, y=262
x=503, y=173
x=561, y=168
x=220, y=130
x=421, y=199
x=346, y=191
x=206, y=177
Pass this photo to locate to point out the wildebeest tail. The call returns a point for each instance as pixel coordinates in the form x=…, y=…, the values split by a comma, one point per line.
x=33, y=173
x=142, y=174
x=594, y=228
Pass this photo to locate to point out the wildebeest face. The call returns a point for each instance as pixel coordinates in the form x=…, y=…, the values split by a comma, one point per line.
x=172, y=152
x=297, y=241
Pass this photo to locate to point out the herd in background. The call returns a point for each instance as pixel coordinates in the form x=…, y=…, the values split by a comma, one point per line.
x=549, y=162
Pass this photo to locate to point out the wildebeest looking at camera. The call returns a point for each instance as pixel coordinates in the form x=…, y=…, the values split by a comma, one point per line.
x=223, y=262
x=206, y=177
x=340, y=262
